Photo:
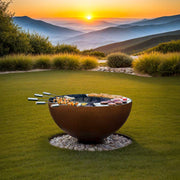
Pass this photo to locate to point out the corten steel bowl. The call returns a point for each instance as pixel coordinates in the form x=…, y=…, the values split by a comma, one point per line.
x=90, y=124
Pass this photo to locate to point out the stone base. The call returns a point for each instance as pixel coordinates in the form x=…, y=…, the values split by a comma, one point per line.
x=112, y=142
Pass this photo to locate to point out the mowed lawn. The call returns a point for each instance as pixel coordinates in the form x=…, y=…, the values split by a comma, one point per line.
x=154, y=126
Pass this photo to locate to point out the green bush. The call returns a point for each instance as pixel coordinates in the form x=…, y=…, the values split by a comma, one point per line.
x=64, y=48
x=117, y=60
x=13, y=63
x=170, y=65
x=74, y=62
x=156, y=63
x=60, y=61
x=167, y=47
x=147, y=63
x=42, y=62
x=88, y=62
x=93, y=53
x=70, y=62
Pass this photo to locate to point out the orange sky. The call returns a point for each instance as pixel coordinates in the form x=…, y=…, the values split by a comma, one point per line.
x=96, y=8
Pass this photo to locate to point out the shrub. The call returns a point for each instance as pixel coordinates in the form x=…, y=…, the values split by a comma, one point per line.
x=61, y=61
x=73, y=63
x=167, y=47
x=42, y=62
x=170, y=65
x=147, y=63
x=70, y=62
x=6, y=64
x=88, y=62
x=93, y=53
x=64, y=48
x=156, y=63
x=13, y=63
x=117, y=60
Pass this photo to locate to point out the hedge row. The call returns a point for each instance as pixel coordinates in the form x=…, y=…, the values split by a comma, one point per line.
x=158, y=64
x=61, y=61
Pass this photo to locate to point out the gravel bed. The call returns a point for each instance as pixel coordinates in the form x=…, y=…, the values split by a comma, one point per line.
x=126, y=70
x=112, y=142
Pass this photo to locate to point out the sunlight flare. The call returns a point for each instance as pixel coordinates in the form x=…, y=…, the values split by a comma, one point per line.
x=89, y=17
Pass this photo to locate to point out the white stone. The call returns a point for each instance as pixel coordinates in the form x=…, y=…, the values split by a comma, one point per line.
x=91, y=149
x=114, y=141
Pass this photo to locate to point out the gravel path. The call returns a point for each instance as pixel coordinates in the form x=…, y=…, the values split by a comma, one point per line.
x=103, y=69
x=33, y=70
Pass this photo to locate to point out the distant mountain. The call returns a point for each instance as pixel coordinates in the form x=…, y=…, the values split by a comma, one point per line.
x=81, y=25
x=125, y=32
x=155, y=21
x=55, y=33
x=101, y=37
x=139, y=44
x=88, y=26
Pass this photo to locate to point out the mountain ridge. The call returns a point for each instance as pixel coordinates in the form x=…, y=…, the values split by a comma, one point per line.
x=105, y=36
x=158, y=20
x=116, y=34
x=138, y=44
x=43, y=28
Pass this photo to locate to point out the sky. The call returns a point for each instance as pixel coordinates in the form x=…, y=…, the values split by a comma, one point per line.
x=95, y=8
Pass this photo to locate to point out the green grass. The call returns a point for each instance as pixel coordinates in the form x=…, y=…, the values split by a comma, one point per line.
x=153, y=124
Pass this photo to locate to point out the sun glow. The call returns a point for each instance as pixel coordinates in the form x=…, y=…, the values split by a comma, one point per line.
x=89, y=17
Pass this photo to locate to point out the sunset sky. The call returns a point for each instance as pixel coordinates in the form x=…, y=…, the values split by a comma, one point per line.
x=95, y=8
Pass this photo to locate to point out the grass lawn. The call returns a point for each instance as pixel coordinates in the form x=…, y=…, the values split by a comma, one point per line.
x=154, y=125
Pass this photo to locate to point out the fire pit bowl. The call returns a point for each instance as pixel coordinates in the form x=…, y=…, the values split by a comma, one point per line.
x=91, y=123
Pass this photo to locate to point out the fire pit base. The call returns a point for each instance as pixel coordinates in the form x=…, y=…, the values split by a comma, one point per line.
x=97, y=141
x=112, y=142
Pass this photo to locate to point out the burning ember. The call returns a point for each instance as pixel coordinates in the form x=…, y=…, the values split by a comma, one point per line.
x=88, y=100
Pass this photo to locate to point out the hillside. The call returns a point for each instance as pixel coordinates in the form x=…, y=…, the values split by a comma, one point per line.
x=54, y=32
x=166, y=47
x=139, y=44
x=118, y=34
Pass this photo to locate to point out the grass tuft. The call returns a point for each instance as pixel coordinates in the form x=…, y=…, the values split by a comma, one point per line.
x=58, y=61
x=42, y=62
x=158, y=64
x=14, y=62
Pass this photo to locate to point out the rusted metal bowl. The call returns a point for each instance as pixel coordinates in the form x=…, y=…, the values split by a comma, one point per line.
x=90, y=124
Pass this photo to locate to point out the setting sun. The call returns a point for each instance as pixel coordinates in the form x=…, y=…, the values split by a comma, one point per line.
x=89, y=17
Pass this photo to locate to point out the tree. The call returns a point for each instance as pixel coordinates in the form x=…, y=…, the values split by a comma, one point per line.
x=12, y=39
x=40, y=44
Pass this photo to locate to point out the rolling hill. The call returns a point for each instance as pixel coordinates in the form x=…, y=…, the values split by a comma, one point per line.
x=139, y=44
x=122, y=33
x=55, y=33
